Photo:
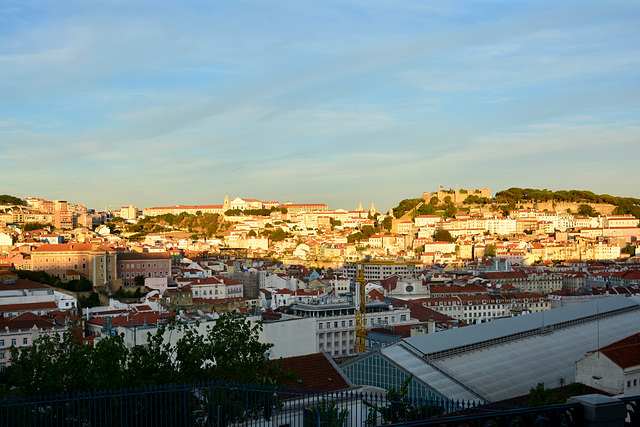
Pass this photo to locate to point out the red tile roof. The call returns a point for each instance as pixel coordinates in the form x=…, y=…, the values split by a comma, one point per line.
x=316, y=372
x=624, y=353
x=25, y=321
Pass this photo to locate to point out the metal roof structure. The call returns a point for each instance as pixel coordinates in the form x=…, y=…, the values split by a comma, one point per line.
x=515, y=327
x=506, y=358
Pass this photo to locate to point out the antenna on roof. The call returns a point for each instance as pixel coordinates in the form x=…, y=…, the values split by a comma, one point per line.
x=598, y=326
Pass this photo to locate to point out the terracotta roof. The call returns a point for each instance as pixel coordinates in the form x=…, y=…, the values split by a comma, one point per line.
x=30, y=306
x=25, y=321
x=316, y=372
x=624, y=353
x=21, y=284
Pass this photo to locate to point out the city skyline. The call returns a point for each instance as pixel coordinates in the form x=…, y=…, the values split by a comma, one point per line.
x=331, y=103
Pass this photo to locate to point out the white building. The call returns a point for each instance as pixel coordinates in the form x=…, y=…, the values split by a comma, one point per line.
x=22, y=331
x=614, y=368
x=216, y=287
x=335, y=326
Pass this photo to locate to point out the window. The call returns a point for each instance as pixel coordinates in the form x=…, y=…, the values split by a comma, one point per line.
x=328, y=325
x=319, y=325
x=335, y=324
x=344, y=323
x=1, y=343
x=13, y=342
x=24, y=341
x=2, y=355
x=350, y=322
x=628, y=382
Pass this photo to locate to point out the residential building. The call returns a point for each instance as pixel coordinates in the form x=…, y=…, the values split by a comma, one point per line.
x=22, y=330
x=335, y=321
x=614, y=369
x=94, y=261
x=156, y=265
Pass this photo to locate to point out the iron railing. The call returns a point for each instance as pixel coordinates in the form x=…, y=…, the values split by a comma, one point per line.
x=633, y=410
x=224, y=404
x=232, y=404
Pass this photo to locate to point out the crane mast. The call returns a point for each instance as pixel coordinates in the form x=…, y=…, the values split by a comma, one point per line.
x=361, y=313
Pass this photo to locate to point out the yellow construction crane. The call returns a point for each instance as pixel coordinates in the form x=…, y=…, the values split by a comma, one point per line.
x=361, y=312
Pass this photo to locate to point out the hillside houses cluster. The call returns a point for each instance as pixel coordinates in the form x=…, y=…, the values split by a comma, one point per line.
x=415, y=284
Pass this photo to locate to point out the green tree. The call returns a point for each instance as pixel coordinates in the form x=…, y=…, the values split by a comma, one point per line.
x=541, y=396
x=586, y=210
x=6, y=199
x=444, y=236
x=30, y=226
x=325, y=415
x=387, y=223
x=401, y=408
x=139, y=280
x=490, y=250
x=93, y=300
x=55, y=364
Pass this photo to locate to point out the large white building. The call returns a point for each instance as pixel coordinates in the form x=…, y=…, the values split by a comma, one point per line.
x=381, y=270
x=335, y=324
x=614, y=369
x=498, y=360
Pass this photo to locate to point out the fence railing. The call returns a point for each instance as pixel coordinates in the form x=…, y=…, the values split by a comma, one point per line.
x=225, y=404
x=231, y=404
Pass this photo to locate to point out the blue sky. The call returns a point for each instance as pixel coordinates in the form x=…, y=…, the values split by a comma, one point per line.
x=339, y=102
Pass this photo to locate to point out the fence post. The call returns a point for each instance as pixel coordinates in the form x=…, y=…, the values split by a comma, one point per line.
x=601, y=411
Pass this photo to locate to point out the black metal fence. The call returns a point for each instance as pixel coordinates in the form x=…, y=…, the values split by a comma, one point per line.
x=225, y=404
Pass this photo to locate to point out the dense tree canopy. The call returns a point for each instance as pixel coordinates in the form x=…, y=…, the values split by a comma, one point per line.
x=625, y=205
x=405, y=206
x=228, y=351
x=366, y=232
x=207, y=224
x=444, y=236
x=6, y=199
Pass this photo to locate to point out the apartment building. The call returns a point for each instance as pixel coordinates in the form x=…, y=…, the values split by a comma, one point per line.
x=95, y=262
x=380, y=270
x=145, y=264
x=335, y=322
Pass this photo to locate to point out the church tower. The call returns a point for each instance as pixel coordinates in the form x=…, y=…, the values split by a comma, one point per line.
x=227, y=203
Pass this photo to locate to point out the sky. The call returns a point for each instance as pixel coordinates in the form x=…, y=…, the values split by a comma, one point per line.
x=157, y=103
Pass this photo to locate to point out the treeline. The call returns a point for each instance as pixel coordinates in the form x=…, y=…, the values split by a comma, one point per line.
x=229, y=350
x=256, y=212
x=207, y=224
x=405, y=206
x=6, y=199
x=366, y=232
x=76, y=285
x=514, y=195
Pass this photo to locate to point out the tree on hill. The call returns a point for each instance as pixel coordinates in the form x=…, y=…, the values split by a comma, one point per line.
x=30, y=226
x=387, y=223
x=514, y=195
x=6, y=199
x=490, y=250
x=586, y=210
x=444, y=236
x=405, y=206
